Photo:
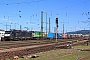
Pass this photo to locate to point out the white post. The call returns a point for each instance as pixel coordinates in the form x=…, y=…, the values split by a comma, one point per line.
x=56, y=33
x=56, y=28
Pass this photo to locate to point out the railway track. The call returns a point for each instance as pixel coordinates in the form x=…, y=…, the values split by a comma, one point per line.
x=15, y=44
x=20, y=48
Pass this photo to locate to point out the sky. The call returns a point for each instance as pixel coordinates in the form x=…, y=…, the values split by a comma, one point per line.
x=74, y=14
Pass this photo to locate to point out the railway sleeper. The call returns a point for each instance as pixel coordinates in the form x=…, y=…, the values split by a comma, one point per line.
x=29, y=51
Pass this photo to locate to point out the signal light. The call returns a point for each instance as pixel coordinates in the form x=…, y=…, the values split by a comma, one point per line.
x=56, y=20
x=57, y=25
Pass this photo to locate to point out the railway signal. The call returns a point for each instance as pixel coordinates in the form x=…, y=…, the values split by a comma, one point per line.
x=57, y=22
x=56, y=28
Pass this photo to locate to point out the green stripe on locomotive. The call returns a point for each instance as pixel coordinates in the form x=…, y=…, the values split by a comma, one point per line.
x=38, y=34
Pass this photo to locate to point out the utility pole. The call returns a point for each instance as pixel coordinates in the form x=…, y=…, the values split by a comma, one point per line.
x=6, y=26
x=41, y=21
x=10, y=27
x=46, y=24
x=49, y=25
x=63, y=28
x=20, y=27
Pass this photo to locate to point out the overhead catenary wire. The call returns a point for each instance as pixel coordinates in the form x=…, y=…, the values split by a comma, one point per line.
x=85, y=1
x=71, y=6
x=45, y=0
x=21, y=2
x=20, y=14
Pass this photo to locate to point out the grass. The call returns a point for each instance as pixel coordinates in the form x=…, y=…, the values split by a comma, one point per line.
x=62, y=54
x=83, y=46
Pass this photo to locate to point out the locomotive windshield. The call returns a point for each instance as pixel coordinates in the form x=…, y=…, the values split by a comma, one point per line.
x=7, y=32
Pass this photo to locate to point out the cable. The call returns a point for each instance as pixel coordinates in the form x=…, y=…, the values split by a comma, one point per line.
x=21, y=2
x=74, y=5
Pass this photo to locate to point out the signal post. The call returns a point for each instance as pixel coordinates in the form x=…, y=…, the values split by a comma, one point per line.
x=56, y=29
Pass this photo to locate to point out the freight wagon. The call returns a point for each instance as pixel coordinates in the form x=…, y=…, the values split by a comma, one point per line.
x=59, y=36
x=53, y=36
x=65, y=36
x=74, y=36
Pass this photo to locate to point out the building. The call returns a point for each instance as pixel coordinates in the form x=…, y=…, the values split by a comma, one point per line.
x=2, y=32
